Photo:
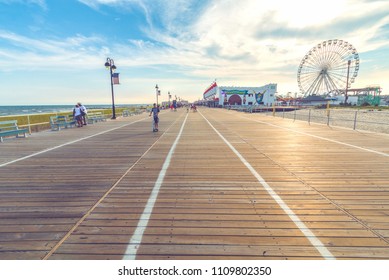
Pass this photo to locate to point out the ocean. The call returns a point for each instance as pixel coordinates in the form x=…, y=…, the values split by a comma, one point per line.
x=42, y=109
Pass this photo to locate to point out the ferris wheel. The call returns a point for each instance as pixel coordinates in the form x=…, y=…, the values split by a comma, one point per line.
x=328, y=68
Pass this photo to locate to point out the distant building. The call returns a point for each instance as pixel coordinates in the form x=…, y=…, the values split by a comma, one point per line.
x=230, y=95
x=384, y=100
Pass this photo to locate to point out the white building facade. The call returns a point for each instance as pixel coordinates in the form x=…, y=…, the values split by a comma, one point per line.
x=230, y=95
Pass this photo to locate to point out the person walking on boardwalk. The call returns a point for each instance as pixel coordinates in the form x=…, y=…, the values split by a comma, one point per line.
x=155, y=112
x=83, y=112
x=77, y=115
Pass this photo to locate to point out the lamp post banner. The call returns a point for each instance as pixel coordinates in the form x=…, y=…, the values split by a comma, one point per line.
x=115, y=78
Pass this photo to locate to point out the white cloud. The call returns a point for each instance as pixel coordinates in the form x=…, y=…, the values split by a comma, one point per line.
x=225, y=43
x=27, y=53
x=248, y=42
x=40, y=3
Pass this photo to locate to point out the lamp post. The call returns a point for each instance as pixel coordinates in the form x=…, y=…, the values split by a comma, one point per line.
x=156, y=92
x=111, y=65
x=169, y=97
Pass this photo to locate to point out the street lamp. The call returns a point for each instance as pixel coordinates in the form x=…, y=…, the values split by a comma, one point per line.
x=157, y=92
x=111, y=65
x=169, y=95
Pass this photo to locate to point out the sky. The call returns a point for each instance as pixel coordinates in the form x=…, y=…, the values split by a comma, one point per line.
x=54, y=51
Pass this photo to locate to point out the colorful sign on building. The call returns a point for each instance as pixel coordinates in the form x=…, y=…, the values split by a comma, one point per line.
x=264, y=95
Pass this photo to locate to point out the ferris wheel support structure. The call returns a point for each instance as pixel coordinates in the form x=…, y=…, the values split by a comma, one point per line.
x=348, y=74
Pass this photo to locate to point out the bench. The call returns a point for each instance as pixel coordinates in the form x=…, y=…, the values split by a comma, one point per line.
x=96, y=117
x=126, y=113
x=57, y=122
x=9, y=128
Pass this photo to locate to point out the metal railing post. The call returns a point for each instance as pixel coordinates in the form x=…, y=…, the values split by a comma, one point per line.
x=355, y=119
x=29, y=124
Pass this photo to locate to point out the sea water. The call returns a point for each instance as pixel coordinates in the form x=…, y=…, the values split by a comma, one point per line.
x=43, y=109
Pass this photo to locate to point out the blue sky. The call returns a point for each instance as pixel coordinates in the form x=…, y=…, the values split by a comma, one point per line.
x=53, y=51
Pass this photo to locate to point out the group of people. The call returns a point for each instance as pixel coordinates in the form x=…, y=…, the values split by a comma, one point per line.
x=192, y=107
x=79, y=114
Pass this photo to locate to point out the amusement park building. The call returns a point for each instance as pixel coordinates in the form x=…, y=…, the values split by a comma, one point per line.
x=230, y=95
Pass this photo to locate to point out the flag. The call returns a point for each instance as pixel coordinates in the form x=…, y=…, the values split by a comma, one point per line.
x=115, y=78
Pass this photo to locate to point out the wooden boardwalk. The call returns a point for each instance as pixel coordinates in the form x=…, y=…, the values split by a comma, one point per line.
x=226, y=185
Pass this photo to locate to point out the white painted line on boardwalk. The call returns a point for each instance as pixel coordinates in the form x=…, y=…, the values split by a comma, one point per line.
x=323, y=138
x=136, y=239
x=90, y=211
x=66, y=144
x=303, y=228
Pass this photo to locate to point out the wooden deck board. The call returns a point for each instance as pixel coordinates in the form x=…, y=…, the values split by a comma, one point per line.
x=210, y=206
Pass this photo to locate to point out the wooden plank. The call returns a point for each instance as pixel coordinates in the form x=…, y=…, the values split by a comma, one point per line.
x=210, y=206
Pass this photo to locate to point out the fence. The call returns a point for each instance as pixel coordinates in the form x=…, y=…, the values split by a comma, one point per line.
x=39, y=122
x=376, y=120
x=370, y=120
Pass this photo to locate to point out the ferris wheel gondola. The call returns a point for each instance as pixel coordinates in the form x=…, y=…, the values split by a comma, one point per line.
x=328, y=68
